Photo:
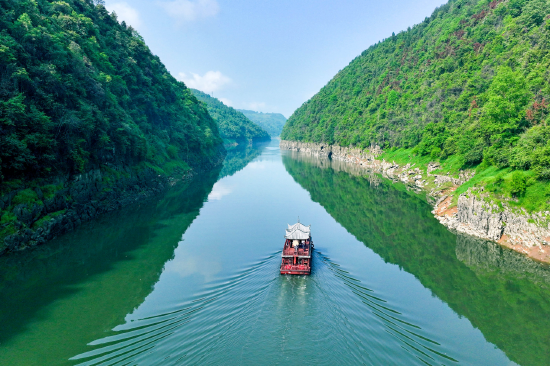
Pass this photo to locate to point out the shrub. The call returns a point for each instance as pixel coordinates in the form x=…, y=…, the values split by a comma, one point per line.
x=436, y=152
x=25, y=196
x=518, y=184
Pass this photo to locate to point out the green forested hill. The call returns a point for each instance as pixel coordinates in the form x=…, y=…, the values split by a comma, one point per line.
x=470, y=83
x=78, y=89
x=234, y=126
x=271, y=122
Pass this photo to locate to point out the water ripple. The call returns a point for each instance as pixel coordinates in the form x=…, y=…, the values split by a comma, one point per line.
x=257, y=312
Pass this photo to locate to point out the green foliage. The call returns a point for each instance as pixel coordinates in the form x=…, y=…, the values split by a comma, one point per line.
x=233, y=125
x=271, y=122
x=518, y=184
x=78, y=90
x=47, y=218
x=26, y=196
x=471, y=80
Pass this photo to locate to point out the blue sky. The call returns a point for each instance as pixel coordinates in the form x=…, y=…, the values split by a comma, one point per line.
x=268, y=56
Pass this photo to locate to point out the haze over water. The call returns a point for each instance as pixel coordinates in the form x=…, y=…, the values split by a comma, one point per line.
x=191, y=278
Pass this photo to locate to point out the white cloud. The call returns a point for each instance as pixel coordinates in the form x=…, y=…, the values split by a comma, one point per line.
x=225, y=101
x=190, y=10
x=211, y=81
x=218, y=192
x=187, y=264
x=125, y=13
x=255, y=106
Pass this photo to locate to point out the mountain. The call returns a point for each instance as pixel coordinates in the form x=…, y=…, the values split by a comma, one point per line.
x=271, y=122
x=90, y=119
x=468, y=87
x=78, y=89
x=234, y=126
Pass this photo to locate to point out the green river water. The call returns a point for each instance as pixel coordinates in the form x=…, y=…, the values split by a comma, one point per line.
x=191, y=278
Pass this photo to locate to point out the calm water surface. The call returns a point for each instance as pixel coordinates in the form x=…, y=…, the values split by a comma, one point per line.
x=191, y=278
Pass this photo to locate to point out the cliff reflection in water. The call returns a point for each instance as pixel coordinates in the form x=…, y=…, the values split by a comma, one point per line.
x=104, y=270
x=239, y=157
x=504, y=294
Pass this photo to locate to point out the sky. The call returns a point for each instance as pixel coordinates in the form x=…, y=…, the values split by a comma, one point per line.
x=270, y=55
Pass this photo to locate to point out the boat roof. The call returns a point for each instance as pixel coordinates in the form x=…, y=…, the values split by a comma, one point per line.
x=298, y=231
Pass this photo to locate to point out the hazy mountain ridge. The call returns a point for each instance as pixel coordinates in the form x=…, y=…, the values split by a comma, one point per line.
x=271, y=122
x=234, y=126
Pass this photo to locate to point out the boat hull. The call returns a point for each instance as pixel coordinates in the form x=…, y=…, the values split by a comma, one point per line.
x=297, y=251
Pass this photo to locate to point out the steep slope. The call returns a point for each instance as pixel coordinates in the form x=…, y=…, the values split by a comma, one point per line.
x=78, y=89
x=234, y=126
x=467, y=87
x=90, y=119
x=271, y=122
x=469, y=83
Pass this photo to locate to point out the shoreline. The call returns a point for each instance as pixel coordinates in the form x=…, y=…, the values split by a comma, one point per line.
x=81, y=198
x=513, y=228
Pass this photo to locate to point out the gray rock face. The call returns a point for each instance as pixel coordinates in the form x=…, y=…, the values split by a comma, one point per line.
x=474, y=215
x=480, y=216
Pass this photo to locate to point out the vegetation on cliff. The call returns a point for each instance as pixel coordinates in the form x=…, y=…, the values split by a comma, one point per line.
x=82, y=97
x=233, y=125
x=468, y=85
x=79, y=89
x=271, y=122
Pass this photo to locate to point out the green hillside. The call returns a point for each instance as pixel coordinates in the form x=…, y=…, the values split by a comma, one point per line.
x=78, y=89
x=467, y=86
x=234, y=126
x=271, y=122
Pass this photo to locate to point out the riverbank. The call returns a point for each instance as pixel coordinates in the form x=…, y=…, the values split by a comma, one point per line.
x=458, y=204
x=33, y=213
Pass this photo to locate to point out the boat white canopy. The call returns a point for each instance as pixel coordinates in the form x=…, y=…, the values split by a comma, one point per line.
x=298, y=231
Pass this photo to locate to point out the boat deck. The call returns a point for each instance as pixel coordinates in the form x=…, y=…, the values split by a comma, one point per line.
x=291, y=252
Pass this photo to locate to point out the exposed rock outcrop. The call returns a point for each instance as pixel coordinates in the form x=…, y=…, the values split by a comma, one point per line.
x=511, y=227
x=80, y=198
x=473, y=215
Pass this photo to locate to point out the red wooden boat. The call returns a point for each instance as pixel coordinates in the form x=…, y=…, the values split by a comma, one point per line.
x=297, y=251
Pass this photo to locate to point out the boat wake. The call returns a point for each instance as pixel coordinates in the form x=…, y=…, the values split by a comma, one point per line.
x=257, y=316
x=382, y=317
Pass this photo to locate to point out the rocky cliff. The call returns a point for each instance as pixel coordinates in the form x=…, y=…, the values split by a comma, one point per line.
x=472, y=214
x=66, y=202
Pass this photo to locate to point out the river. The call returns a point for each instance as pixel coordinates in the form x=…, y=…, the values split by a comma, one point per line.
x=191, y=278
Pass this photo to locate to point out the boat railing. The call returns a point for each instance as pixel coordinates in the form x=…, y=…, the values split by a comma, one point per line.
x=299, y=252
x=297, y=267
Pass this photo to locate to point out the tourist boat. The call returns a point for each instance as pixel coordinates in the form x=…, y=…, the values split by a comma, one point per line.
x=297, y=250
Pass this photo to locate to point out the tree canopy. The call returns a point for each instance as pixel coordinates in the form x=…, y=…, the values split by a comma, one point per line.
x=79, y=89
x=471, y=81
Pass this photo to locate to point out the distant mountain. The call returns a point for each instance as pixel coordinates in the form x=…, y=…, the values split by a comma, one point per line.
x=233, y=125
x=271, y=122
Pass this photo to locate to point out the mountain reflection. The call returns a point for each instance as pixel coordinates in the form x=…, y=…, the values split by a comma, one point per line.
x=504, y=294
